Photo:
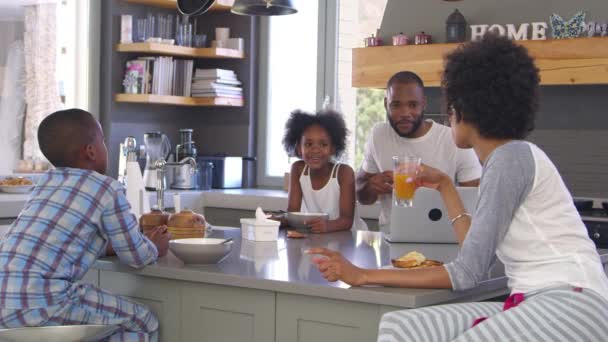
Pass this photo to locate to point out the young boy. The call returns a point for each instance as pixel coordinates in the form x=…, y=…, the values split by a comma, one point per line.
x=75, y=214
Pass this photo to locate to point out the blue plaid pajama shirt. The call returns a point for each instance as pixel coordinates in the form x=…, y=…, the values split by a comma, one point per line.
x=63, y=229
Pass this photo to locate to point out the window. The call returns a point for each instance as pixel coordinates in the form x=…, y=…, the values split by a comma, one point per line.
x=362, y=108
x=34, y=34
x=323, y=32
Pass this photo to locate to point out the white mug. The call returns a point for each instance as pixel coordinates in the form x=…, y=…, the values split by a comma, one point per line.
x=222, y=33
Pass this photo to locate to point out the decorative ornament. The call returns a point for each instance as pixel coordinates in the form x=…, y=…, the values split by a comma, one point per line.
x=596, y=29
x=423, y=38
x=567, y=29
x=456, y=27
x=509, y=30
x=401, y=39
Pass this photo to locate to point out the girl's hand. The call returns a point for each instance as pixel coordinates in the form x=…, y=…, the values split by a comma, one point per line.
x=318, y=225
x=335, y=267
x=430, y=177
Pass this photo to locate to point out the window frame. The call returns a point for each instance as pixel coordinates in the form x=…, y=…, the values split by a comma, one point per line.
x=327, y=53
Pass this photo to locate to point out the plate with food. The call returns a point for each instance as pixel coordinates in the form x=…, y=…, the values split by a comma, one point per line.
x=294, y=234
x=16, y=185
x=414, y=260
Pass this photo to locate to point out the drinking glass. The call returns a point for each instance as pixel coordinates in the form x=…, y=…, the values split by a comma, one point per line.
x=200, y=40
x=184, y=34
x=405, y=169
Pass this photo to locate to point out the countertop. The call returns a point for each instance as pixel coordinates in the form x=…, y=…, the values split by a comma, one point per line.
x=282, y=266
x=245, y=199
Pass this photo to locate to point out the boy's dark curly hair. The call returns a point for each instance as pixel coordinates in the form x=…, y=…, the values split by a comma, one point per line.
x=299, y=121
x=493, y=85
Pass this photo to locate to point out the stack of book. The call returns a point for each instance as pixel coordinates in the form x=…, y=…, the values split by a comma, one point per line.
x=216, y=83
x=159, y=76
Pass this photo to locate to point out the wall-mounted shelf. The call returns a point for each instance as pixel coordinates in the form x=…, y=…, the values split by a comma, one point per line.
x=220, y=5
x=561, y=62
x=180, y=51
x=180, y=100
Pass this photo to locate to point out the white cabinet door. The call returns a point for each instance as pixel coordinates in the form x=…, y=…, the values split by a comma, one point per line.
x=312, y=319
x=91, y=277
x=227, y=314
x=159, y=295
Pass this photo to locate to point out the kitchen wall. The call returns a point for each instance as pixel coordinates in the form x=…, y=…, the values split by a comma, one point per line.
x=572, y=124
x=216, y=129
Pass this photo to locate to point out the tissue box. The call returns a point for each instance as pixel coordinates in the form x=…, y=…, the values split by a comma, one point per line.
x=267, y=231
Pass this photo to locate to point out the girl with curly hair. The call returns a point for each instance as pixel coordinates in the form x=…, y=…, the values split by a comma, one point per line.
x=525, y=217
x=318, y=183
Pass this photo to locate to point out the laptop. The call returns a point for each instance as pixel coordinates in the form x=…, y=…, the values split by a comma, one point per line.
x=427, y=220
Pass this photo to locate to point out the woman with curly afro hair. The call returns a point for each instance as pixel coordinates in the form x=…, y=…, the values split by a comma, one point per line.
x=319, y=184
x=525, y=217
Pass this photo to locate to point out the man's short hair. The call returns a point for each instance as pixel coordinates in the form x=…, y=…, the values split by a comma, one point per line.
x=405, y=77
x=63, y=133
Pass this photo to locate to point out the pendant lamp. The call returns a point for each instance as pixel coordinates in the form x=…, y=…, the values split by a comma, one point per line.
x=263, y=7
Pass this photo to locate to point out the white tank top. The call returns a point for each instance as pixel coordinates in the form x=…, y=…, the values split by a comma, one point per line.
x=326, y=199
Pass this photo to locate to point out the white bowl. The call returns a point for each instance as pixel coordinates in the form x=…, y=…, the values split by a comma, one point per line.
x=200, y=250
x=16, y=189
x=63, y=333
x=296, y=219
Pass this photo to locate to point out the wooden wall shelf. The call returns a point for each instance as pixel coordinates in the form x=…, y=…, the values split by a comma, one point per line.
x=180, y=100
x=180, y=51
x=561, y=62
x=220, y=5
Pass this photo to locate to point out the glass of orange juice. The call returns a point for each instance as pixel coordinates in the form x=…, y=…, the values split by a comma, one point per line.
x=404, y=176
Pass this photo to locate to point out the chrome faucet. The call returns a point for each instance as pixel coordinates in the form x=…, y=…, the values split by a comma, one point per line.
x=160, y=166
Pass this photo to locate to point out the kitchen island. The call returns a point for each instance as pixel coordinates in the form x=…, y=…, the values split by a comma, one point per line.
x=271, y=291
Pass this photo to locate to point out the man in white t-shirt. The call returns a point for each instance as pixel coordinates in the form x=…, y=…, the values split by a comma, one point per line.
x=407, y=133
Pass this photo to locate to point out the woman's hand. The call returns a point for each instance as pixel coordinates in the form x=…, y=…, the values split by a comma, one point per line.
x=430, y=177
x=335, y=267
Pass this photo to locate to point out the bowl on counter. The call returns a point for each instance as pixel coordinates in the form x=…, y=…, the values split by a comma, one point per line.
x=297, y=219
x=16, y=189
x=58, y=333
x=200, y=250
x=16, y=185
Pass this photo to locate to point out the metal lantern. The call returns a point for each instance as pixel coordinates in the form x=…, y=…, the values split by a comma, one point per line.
x=456, y=28
x=263, y=7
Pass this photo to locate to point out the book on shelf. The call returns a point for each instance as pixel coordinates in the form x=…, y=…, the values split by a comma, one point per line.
x=215, y=73
x=216, y=82
x=159, y=76
x=197, y=86
x=232, y=96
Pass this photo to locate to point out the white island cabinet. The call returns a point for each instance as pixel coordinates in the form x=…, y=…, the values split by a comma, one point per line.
x=273, y=292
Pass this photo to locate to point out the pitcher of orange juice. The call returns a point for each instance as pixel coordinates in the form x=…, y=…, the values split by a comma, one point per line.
x=404, y=176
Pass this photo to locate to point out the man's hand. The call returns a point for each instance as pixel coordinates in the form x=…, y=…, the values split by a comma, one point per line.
x=381, y=183
x=160, y=237
x=333, y=266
